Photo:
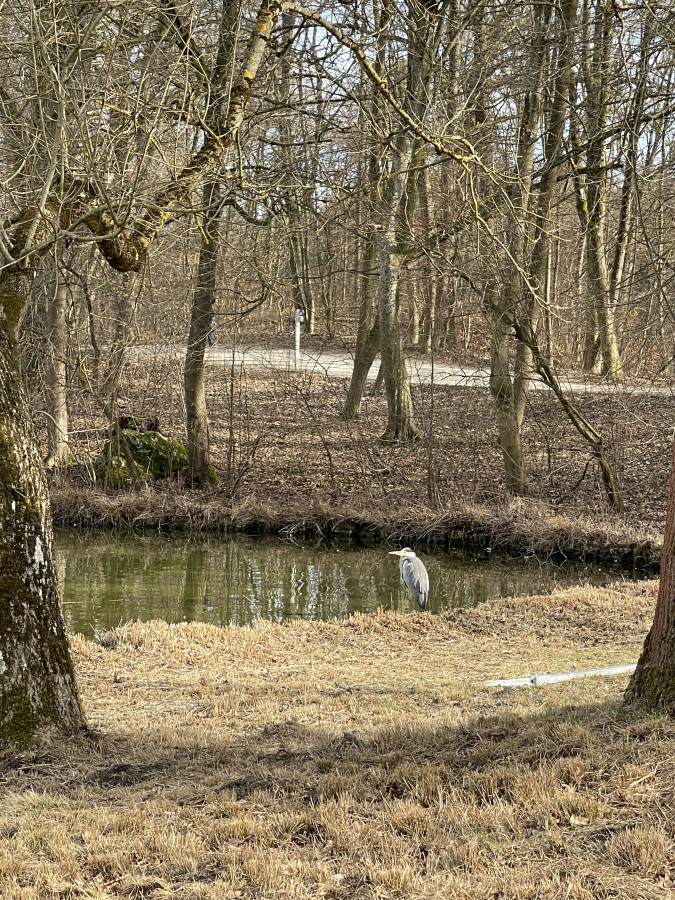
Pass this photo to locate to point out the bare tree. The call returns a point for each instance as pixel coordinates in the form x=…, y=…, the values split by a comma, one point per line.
x=591, y=181
x=215, y=81
x=37, y=686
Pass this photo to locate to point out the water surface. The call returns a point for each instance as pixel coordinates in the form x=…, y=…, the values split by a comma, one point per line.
x=107, y=580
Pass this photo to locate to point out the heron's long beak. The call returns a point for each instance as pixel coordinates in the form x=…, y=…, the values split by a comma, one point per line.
x=396, y=553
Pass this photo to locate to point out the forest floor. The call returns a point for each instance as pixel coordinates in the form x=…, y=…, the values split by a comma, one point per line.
x=353, y=760
x=287, y=461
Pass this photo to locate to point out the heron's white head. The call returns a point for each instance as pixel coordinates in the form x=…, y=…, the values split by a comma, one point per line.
x=405, y=552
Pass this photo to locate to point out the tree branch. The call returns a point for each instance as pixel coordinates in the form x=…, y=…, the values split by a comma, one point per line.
x=380, y=83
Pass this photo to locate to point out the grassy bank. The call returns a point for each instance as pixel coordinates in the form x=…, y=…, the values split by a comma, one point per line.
x=517, y=527
x=353, y=759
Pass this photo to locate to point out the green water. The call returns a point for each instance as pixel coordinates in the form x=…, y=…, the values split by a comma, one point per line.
x=107, y=580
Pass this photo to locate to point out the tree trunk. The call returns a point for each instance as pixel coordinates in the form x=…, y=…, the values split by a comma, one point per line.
x=506, y=292
x=200, y=469
x=400, y=419
x=591, y=346
x=367, y=337
x=441, y=320
x=55, y=377
x=413, y=292
x=593, y=189
x=501, y=387
x=428, y=278
x=445, y=329
x=598, y=276
x=294, y=208
x=653, y=682
x=37, y=681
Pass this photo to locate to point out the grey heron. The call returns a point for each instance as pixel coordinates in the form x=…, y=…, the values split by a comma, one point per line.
x=413, y=575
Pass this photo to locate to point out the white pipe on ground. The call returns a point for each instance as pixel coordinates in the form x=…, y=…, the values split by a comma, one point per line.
x=546, y=678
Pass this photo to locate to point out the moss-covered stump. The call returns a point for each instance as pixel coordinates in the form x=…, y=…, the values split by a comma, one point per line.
x=155, y=455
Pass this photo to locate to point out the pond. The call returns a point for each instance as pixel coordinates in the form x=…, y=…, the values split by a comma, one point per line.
x=107, y=580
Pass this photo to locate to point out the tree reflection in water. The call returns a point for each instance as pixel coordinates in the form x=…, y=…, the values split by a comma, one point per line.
x=107, y=580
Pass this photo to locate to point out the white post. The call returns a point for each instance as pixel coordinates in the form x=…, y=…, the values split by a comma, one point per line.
x=299, y=319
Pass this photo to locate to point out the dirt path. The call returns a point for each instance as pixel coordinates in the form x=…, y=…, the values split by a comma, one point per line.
x=339, y=365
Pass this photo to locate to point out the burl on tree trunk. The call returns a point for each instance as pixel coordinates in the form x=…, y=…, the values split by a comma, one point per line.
x=653, y=682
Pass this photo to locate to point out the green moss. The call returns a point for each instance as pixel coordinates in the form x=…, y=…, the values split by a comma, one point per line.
x=652, y=686
x=19, y=721
x=13, y=296
x=156, y=456
x=210, y=478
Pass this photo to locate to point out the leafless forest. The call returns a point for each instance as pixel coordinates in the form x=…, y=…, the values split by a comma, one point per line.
x=468, y=182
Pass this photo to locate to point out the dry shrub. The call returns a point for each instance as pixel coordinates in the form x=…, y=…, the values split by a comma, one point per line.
x=642, y=850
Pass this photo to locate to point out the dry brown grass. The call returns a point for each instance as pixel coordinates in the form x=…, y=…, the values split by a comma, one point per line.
x=353, y=759
x=515, y=526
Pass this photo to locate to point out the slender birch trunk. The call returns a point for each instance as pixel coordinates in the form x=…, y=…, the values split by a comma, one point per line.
x=58, y=451
x=37, y=681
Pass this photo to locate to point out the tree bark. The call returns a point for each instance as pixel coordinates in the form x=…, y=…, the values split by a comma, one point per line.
x=37, y=682
x=200, y=469
x=440, y=325
x=592, y=191
x=501, y=387
x=55, y=376
x=429, y=279
x=400, y=416
x=368, y=330
x=653, y=681
x=505, y=294
x=367, y=336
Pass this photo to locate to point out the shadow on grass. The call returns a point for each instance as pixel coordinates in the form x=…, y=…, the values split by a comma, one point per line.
x=287, y=758
x=505, y=802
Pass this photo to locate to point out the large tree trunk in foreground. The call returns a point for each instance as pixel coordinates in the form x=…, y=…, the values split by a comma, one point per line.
x=37, y=682
x=653, y=682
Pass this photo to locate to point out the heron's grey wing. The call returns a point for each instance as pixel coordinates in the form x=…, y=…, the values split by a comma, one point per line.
x=415, y=578
x=422, y=576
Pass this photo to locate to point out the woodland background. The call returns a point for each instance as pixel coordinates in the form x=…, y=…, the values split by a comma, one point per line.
x=480, y=183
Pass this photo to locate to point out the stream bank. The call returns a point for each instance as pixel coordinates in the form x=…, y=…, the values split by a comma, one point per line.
x=520, y=528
